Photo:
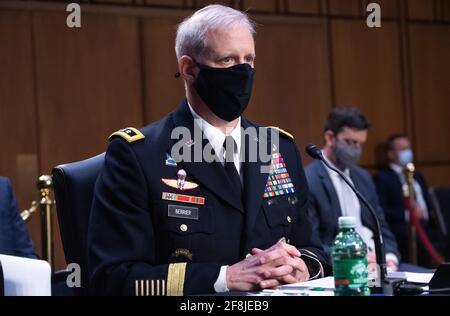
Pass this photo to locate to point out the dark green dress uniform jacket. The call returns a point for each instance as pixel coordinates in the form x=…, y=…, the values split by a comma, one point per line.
x=143, y=243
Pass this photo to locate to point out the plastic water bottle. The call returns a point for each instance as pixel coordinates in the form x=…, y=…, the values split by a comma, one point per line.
x=349, y=260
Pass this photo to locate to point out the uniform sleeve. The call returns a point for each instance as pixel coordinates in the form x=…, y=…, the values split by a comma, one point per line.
x=23, y=247
x=304, y=236
x=122, y=257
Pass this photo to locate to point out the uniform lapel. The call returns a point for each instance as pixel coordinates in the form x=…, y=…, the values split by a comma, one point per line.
x=254, y=179
x=210, y=174
x=358, y=182
x=333, y=199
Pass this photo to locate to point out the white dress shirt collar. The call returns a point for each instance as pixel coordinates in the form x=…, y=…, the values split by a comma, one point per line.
x=398, y=169
x=217, y=138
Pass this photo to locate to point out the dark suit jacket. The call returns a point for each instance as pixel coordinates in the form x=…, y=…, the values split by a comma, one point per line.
x=325, y=209
x=14, y=239
x=134, y=237
x=391, y=198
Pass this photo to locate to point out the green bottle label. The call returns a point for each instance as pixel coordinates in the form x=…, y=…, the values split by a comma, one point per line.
x=350, y=272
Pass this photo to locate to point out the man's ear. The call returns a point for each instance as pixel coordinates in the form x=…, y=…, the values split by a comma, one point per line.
x=187, y=69
x=329, y=138
x=391, y=155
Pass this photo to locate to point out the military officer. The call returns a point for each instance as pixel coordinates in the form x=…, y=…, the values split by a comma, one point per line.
x=164, y=222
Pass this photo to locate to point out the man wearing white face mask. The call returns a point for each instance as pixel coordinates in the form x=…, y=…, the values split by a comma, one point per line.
x=389, y=184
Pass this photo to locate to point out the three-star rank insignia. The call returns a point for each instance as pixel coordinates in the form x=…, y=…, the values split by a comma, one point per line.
x=130, y=134
x=279, y=182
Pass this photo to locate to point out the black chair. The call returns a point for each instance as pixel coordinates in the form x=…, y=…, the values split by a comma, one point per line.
x=440, y=197
x=2, y=281
x=74, y=190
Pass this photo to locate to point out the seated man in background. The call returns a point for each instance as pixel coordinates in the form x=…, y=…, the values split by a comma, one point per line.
x=389, y=183
x=330, y=197
x=14, y=239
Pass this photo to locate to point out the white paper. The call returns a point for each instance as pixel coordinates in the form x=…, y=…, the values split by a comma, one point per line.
x=412, y=277
x=296, y=292
x=326, y=283
x=325, y=286
x=26, y=277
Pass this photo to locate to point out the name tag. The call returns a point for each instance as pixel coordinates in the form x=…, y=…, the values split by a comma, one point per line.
x=178, y=211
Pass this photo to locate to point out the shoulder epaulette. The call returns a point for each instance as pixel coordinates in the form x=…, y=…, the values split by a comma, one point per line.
x=282, y=132
x=130, y=134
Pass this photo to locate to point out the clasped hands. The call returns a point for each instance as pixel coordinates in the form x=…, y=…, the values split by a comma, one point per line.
x=266, y=269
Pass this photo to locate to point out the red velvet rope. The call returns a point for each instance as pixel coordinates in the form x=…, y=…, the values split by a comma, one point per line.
x=437, y=258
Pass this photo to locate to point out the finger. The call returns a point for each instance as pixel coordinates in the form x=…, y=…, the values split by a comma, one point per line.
x=253, y=279
x=280, y=250
x=372, y=267
x=291, y=250
x=391, y=264
x=371, y=257
x=304, y=276
x=253, y=261
x=296, y=277
x=279, y=271
x=295, y=263
x=290, y=279
x=301, y=265
x=273, y=255
x=269, y=284
x=256, y=251
x=273, y=247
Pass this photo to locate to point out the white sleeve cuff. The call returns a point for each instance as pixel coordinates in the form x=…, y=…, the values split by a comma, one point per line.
x=392, y=257
x=221, y=283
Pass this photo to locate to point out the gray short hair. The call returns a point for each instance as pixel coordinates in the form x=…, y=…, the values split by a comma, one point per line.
x=191, y=33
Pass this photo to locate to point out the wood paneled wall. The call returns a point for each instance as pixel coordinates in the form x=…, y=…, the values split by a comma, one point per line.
x=63, y=91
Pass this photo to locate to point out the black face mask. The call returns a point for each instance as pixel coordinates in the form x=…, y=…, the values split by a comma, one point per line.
x=226, y=91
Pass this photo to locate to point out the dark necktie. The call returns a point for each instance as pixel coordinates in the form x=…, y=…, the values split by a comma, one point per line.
x=229, y=165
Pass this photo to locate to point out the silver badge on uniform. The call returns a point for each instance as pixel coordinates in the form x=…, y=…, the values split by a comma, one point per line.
x=181, y=174
x=170, y=161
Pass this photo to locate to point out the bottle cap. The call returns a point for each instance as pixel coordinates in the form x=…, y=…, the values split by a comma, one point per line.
x=347, y=222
